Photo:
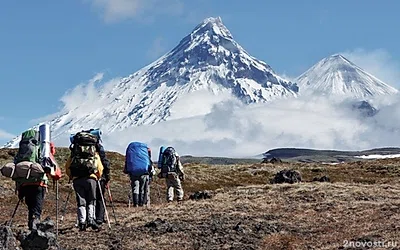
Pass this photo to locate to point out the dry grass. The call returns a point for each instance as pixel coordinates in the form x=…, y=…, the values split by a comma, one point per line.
x=246, y=212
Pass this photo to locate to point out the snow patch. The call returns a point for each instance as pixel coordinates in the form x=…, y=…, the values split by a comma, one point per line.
x=375, y=156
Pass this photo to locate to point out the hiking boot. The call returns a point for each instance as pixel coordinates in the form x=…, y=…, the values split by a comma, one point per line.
x=32, y=223
x=99, y=222
x=93, y=224
x=82, y=226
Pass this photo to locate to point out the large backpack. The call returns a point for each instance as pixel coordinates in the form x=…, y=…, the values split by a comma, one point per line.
x=169, y=161
x=83, y=152
x=28, y=147
x=137, y=159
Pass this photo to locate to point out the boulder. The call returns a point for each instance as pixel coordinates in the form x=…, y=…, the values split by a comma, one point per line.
x=273, y=160
x=199, y=195
x=286, y=176
x=42, y=238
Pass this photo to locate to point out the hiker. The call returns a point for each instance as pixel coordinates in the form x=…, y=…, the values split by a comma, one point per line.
x=34, y=189
x=139, y=166
x=104, y=184
x=172, y=170
x=84, y=167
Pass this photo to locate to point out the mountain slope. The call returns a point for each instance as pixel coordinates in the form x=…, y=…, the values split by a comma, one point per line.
x=206, y=67
x=336, y=75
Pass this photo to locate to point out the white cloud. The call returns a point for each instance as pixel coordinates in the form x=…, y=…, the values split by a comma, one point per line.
x=82, y=99
x=84, y=92
x=377, y=62
x=117, y=10
x=236, y=131
x=288, y=77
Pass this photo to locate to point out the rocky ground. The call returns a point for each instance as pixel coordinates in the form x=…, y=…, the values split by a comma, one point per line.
x=358, y=204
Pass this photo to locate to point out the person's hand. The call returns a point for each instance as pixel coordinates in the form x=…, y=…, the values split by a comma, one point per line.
x=107, y=186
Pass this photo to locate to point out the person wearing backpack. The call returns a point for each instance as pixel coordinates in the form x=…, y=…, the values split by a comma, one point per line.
x=104, y=184
x=139, y=167
x=172, y=170
x=33, y=189
x=84, y=168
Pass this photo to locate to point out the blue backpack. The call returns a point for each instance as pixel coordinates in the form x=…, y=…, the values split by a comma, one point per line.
x=137, y=159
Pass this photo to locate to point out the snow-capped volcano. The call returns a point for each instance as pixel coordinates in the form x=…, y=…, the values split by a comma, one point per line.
x=336, y=75
x=206, y=67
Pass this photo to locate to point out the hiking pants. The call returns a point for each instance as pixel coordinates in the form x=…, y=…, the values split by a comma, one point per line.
x=100, y=210
x=140, y=189
x=34, y=196
x=85, y=190
x=174, y=185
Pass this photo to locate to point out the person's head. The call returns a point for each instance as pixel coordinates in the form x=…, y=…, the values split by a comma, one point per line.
x=52, y=148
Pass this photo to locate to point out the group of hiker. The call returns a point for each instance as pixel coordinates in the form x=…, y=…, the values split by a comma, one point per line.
x=89, y=170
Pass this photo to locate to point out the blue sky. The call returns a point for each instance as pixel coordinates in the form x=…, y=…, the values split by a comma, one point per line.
x=48, y=47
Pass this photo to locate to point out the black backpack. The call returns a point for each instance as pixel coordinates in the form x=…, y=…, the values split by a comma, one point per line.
x=83, y=152
x=169, y=161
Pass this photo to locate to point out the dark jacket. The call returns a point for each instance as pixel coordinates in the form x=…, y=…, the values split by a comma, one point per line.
x=106, y=163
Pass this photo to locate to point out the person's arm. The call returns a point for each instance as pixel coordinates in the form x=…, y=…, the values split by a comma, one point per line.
x=179, y=167
x=99, y=166
x=105, y=162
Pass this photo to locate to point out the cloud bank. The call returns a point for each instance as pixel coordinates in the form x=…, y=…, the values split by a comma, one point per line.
x=233, y=130
x=118, y=10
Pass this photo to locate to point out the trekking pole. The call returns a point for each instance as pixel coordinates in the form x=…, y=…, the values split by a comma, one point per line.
x=64, y=210
x=57, y=210
x=129, y=199
x=112, y=204
x=104, y=203
x=130, y=195
x=15, y=211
